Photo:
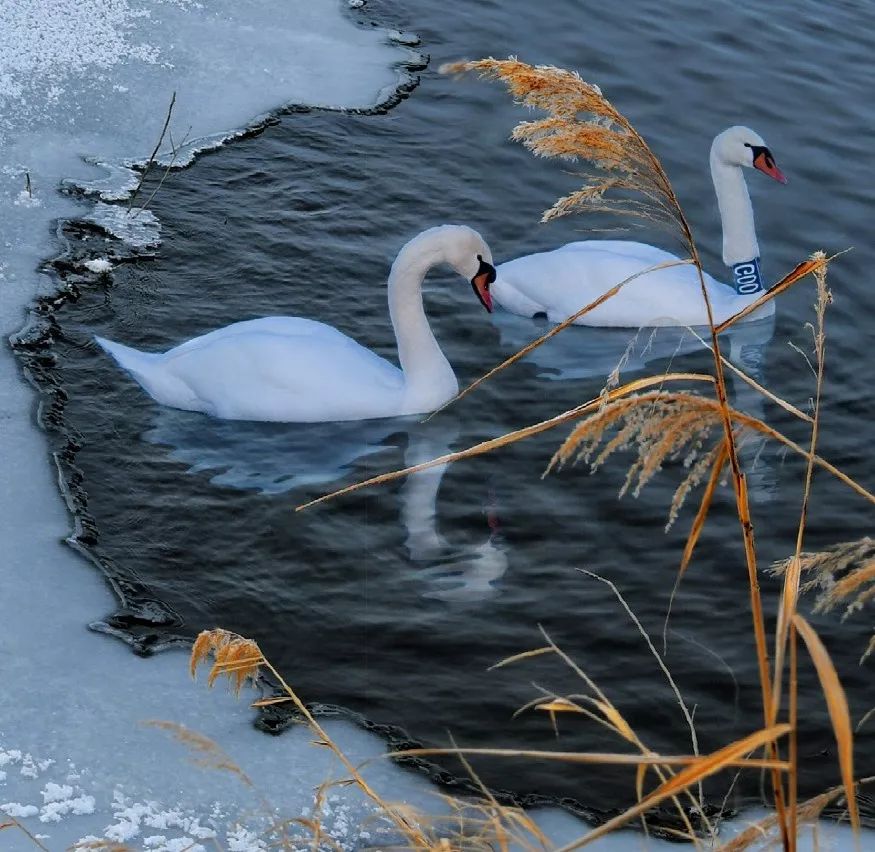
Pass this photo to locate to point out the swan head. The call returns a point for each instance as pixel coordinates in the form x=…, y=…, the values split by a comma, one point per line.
x=466, y=251
x=741, y=146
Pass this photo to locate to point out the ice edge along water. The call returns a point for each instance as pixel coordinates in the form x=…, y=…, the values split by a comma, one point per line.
x=84, y=89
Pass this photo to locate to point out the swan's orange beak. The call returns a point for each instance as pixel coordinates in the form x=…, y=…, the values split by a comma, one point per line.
x=481, y=281
x=765, y=162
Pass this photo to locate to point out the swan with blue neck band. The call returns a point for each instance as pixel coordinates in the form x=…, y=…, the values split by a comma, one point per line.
x=559, y=283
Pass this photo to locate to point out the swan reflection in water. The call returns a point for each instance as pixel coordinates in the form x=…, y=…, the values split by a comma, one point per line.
x=274, y=458
x=594, y=353
x=467, y=576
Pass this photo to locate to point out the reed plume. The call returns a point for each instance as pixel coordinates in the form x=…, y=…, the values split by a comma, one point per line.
x=657, y=428
x=237, y=658
x=841, y=575
x=583, y=126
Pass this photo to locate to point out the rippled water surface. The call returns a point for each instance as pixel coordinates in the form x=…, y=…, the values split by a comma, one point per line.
x=394, y=602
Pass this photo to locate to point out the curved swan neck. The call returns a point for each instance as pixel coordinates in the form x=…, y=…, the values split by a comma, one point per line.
x=427, y=373
x=736, y=213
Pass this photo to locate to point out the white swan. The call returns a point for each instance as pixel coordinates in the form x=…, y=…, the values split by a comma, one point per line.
x=559, y=283
x=292, y=369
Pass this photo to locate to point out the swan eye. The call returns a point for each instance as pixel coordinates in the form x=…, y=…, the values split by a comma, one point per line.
x=480, y=257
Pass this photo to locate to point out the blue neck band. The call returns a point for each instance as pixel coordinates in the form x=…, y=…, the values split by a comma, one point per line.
x=746, y=277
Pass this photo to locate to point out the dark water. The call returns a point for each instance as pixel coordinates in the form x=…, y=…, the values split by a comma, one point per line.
x=395, y=601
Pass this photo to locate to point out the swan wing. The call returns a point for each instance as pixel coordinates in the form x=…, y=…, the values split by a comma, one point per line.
x=284, y=369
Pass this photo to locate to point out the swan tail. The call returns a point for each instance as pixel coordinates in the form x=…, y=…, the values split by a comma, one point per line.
x=145, y=368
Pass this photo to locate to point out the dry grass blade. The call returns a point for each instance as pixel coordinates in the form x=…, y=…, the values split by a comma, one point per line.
x=513, y=437
x=790, y=591
x=616, y=721
x=559, y=705
x=701, y=768
x=659, y=661
x=14, y=823
x=864, y=718
x=696, y=529
x=525, y=655
x=797, y=274
x=209, y=754
x=599, y=758
x=553, y=332
x=268, y=702
x=837, y=704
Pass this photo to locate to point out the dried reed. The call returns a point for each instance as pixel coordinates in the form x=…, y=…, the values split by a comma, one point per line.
x=12, y=822
x=582, y=125
x=240, y=658
x=842, y=575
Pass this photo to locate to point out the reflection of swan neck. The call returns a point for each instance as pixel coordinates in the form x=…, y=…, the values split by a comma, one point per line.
x=455, y=576
x=426, y=370
x=419, y=499
x=418, y=510
x=736, y=211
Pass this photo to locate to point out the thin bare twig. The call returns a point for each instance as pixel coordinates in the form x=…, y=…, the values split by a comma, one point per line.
x=150, y=162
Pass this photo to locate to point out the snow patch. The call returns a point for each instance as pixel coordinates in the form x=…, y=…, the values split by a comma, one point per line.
x=26, y=198
x=14, y=809
x=241, y=839
x=99, y=265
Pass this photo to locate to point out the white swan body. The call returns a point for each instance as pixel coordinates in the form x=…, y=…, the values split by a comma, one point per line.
x=559, y=283
x=291, y=369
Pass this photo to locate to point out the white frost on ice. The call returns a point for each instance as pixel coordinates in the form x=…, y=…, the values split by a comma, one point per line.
x=27, y=199
x=98, y=265
x=14, y=809
x=59, y=800
x=240, y=839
